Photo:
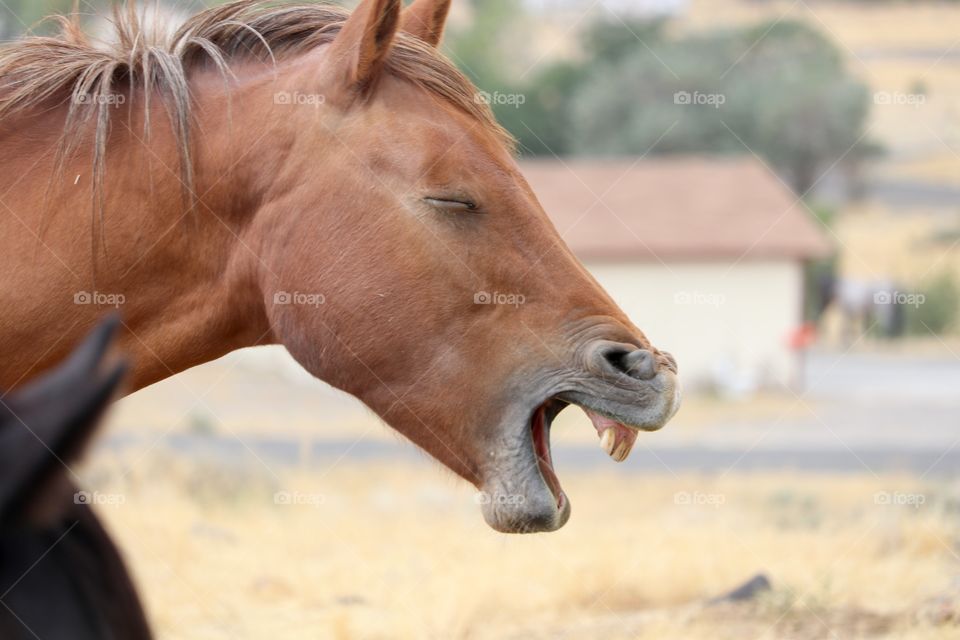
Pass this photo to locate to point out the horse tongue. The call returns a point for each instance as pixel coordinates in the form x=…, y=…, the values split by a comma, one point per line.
x=616, y=439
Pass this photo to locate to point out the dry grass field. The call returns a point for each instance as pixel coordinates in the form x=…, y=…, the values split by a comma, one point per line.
x=359, y=550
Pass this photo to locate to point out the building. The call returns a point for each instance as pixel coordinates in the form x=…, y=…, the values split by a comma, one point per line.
x=705, y=255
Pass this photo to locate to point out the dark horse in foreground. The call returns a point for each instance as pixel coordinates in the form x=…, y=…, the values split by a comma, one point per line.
x=61, y=578
x=275, y=173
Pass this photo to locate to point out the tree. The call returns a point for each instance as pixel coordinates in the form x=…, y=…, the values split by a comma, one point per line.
x=779, y=91
x=17, y=16
x=543, y=124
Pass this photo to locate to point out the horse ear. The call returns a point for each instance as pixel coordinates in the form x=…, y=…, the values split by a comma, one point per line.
x=425, y=19
x=47, y=424
x=360, y=49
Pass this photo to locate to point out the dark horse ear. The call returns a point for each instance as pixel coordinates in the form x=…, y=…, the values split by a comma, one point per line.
x=425, y=19
x=46, y=424
x=360, y=49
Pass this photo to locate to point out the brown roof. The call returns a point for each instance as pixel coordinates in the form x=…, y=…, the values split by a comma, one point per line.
x=670, y=208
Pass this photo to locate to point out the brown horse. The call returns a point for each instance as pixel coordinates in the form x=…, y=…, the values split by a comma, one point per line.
x=61, y=578
x=293, y=174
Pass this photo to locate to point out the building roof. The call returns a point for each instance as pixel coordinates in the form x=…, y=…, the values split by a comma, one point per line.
x=689, y=208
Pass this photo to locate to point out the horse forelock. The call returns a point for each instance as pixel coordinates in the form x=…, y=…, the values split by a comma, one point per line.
x=155, y=60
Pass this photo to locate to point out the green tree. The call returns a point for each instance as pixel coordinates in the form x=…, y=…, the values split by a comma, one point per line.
x=785, y=95
x=544, y=122
x=18, y=16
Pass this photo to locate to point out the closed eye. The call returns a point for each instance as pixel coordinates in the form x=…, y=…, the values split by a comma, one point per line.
x=448, y=204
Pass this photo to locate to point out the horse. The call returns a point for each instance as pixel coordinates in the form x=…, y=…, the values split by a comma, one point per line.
x=61, y=577
x=324, y=180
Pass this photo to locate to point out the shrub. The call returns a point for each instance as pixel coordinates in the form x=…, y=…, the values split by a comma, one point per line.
x=941, y=304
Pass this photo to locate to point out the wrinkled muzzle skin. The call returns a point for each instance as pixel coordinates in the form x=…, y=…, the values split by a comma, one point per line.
x=450, y=304
x=519, y=490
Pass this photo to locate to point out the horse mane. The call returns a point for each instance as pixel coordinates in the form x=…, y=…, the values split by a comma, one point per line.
x=155, y=59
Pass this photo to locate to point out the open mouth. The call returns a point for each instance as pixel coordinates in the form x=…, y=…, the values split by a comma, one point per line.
x=540, y=429
x=522, y=492
x=616, y=439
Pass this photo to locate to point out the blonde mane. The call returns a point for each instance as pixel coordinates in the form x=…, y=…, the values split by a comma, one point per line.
x=155, y=60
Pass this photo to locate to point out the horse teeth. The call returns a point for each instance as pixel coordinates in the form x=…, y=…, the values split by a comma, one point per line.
x=622, y=451
x=607, y=441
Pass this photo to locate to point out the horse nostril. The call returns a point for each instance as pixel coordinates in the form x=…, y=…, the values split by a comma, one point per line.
x=640, y=364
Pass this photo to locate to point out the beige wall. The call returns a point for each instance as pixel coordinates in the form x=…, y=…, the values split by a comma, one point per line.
x=723, y=321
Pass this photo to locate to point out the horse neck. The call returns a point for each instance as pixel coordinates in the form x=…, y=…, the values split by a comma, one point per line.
x=183, y=276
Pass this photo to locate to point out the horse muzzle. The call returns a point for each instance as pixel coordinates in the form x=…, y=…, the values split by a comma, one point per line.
x=622, y=389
